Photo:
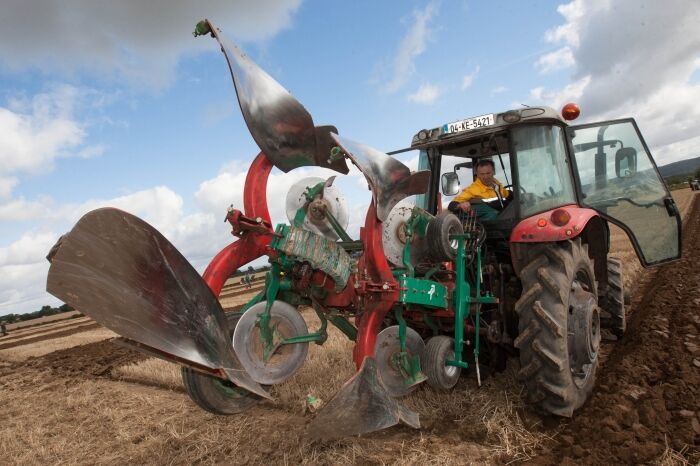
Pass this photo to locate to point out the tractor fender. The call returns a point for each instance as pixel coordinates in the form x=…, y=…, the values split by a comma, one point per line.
x=586, y=223
x=540, y=229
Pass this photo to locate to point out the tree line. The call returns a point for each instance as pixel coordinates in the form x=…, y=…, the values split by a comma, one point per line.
x=43, y=312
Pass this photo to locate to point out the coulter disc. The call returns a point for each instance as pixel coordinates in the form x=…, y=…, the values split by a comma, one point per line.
x=394, y=235
x=333, y=201
x=387, y=348
x=285, y=360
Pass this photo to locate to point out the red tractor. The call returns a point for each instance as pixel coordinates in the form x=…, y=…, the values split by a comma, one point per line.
x=423, y=293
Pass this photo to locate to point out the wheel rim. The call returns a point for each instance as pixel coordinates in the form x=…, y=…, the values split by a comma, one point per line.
x=583, y=328
x=284, y=361
x=453, y=242
x=450, y=371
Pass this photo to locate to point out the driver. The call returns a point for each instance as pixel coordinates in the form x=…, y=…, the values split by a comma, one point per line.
x=488, y=190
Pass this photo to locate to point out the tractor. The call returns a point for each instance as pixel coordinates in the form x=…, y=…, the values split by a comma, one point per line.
x=424, y=293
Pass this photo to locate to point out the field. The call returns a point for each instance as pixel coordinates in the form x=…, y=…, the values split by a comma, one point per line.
x=69, y=395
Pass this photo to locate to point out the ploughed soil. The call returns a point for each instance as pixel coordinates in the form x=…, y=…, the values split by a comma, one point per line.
x=92, y=360
x=79, y=362
x=647, y=395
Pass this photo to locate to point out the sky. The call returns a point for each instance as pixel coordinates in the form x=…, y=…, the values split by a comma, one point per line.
x=106, y=103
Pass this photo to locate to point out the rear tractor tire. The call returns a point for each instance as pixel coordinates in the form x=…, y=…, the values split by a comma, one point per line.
x=613, y=302
x=439, y=349
x=215, y=395
x=559, y=326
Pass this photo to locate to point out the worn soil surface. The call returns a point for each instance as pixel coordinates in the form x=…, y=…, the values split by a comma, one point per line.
x=648, y=392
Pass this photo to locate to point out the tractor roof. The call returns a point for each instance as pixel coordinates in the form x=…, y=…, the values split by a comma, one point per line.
x=477, y=127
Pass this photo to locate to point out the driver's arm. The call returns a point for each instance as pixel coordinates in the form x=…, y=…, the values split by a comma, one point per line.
x=461, y=200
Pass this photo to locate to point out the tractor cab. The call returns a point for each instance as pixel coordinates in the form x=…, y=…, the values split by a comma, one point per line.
x=528, y=150
x=552, y=172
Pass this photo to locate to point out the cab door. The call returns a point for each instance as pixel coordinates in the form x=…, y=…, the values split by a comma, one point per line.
x=616, y=176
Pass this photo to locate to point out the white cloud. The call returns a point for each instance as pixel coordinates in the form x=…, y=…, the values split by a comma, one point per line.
x=559, y=59
x=32, y=247
x=23, y=266
x=18, y=210
x=160, y=206
x=468, y=79
x=426, y=94
x=556, y=98
x=35, y=131
x=499, y=90
x=216, y=194
x=23, y=269
x=22, y=288
x=31, y=140
x=634, y=59
x=572, y=12
x=139, y=42
x=7, y=184
x=412, y=45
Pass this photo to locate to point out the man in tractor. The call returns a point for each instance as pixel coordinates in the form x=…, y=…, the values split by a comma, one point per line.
x=486, y=195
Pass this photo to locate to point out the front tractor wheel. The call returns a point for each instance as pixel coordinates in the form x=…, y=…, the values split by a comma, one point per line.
x=559, y=326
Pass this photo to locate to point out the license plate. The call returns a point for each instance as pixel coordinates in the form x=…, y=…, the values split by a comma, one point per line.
x=468, y=124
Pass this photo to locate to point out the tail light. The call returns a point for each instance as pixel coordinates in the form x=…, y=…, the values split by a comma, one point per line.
x=560, y=217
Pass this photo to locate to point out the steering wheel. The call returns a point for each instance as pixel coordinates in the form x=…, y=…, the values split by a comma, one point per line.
x=509, y=187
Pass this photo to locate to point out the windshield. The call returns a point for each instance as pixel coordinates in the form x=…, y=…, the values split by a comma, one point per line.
x=543, y=173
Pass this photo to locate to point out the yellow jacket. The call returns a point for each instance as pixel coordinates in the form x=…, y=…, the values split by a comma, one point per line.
x=478, y=190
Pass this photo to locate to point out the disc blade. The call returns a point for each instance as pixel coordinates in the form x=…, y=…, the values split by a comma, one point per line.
x=125, y=275
x=333, y=199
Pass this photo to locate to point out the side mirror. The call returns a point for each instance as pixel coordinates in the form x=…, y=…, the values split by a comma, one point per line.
x=450, y=183
x=626, y=162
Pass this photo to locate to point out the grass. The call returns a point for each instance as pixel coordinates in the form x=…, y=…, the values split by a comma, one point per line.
x=671, y=457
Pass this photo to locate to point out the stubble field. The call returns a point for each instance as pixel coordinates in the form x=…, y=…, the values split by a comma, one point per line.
x=70, y=395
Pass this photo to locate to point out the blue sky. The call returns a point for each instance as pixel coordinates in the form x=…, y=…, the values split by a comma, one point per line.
x=115, y=103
